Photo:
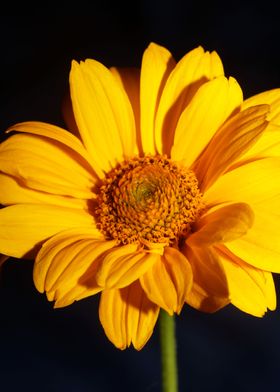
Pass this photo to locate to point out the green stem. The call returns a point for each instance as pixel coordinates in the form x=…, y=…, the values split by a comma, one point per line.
x=168, y=352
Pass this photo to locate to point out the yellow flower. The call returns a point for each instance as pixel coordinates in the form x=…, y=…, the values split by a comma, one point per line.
x=168, y=194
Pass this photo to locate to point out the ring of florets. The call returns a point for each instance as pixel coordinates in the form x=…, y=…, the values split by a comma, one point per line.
x=149, y=199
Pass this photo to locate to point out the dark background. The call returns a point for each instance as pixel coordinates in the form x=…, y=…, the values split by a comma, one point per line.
x=47, y=350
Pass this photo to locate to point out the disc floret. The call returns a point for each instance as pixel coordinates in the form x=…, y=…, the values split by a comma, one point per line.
x=148, y=199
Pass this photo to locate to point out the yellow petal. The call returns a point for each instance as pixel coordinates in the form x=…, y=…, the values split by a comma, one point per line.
x=43, y=164
x=65, y=296
x=222, y=225
x=272, y=98
x=12, y=192
x=234, y=138
x=59, y=135
x=268, y=145
x=123, y=265
x=103, y=114
x=211, y=106
x=129, y=79
x=209, y=291
x=66, y=264
x=250, y=289
x=168, y=281
x=260, y=247
x=269, y=291
x=127, y=316
x=251, y=182
x=77, y=262
x=194, y=69
x=23, y=227
x=157, y=63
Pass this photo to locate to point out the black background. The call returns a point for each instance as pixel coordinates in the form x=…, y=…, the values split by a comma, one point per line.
x=47, y=350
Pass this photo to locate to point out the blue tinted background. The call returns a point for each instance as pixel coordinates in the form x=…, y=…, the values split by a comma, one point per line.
x=49, y=350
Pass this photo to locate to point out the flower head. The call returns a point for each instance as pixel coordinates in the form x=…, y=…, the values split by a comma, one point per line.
x=169, y=193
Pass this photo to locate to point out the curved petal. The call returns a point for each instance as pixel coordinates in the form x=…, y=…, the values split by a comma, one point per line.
x=211, y=106
x=23, y=227
x=43, y=164
x=65, y=266
x=57, y=254
x=58, y=135
x=268, y=145
x=12, y=192
x=222, y=225
x=209, y=291
x=168, y=281
x=123, y=265
x=129, y=79
x=103, y=114
x=250, y=289
x=270, y=97
x=194, y=69
x=260, y=247
x=127, y=316
x=234, y=138
x=157, y=63
x=252, y=182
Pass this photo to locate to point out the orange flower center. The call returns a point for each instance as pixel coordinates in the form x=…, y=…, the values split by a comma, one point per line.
x=148, y=200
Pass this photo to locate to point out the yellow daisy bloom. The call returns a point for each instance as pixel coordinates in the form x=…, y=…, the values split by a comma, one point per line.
x=165, y=191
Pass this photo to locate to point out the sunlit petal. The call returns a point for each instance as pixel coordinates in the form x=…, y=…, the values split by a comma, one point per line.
x=129, y=79
x=260, y=246
x=250, y=289
x=251, y=182
x=194, y=69
x=234, y=138
x=169, y=280
x=43, y=164
x=57, y=134
x=66, y=264
x=270, y=97
x=157, y=63
x=13, y=192
x=222, y=225
x=103, y=114
x=23, y=227
x=124, y=265
x=127, y=316
x=209, y=291
x=211, y=106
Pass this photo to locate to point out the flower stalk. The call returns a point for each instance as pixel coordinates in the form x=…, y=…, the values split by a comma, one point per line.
x=168, y=352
